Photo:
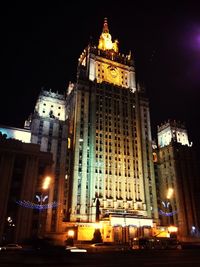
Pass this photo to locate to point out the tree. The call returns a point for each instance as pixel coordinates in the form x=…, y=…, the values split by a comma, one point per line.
x=97, y=238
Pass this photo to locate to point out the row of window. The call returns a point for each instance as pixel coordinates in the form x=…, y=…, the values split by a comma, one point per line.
x=44, y=104
x=50, y=113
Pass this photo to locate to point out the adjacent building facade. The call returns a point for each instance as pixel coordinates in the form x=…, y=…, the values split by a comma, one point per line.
x=48, y=129
x=22, y=167
x=177, y=180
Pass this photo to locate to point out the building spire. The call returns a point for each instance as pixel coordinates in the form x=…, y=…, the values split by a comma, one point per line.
x=105, y=26
x=105, y=40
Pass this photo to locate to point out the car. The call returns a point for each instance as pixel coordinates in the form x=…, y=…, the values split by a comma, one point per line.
x=103, y=247
x=75, y=249
x=98, y=245
x=11, y=247
x=156, y=243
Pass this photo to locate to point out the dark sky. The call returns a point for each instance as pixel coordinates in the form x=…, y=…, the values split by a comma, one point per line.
x=41, y=42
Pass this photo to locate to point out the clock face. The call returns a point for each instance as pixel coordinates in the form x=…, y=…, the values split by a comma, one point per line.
x=113, y=71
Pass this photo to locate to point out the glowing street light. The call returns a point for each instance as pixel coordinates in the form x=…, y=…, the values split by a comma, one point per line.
x=46, y=183
x=70, y=233
x=45, y=186
x=170, y=193
x=70, y=237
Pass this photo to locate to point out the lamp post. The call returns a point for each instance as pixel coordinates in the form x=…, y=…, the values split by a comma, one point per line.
x=124, y=232
x=70, y=237
x=170, y=192
x=42, y=198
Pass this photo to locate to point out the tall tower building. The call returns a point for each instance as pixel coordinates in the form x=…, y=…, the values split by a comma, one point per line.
x=110, y=168
x=48, y=128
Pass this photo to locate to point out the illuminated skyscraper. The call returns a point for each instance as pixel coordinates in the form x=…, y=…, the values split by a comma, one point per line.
x=110, y=166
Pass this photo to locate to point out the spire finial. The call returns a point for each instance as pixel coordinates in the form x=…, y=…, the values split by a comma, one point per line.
x=105, y=40
x=105, y=26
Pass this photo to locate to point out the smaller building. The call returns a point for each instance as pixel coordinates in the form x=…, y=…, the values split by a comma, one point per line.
x=22, y=170
x=177, y=176
x=23, y=135
x=48, y=127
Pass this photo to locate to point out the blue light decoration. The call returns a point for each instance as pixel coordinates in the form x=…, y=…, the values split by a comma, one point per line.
x=166, y=206
x=161, y=212
x=31, y=205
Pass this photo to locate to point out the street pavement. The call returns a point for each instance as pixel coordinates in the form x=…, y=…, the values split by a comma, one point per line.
x=157, y=258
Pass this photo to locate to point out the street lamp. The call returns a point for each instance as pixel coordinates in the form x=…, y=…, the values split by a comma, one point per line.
x=170, y=192
x=167, y=212
x=42, y=198
x=46, y=183
x=70, y=233
x=70, y=237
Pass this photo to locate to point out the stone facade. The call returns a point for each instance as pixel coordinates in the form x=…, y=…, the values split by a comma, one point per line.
x=22, y=167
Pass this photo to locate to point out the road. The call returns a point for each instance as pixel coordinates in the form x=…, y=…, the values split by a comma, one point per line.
x=157, y=258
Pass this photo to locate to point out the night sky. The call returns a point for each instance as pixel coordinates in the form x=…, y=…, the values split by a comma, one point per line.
x=41, y=44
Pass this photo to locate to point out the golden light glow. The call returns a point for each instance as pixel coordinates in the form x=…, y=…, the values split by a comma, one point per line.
x=70, y=233
x=172, y=229
x=46, y=182
x=97, y=225
x=155, y=159
x=160, y=231
x=112, y=72
x=105, y=41
x=86, y=232
x=170, y=193
x=68, y=143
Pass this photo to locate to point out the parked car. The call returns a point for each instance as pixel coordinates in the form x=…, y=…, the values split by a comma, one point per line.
x=156, y=243
x=11, y=247
x=98, y=245
x=104, y=247
x=75, y=249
